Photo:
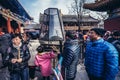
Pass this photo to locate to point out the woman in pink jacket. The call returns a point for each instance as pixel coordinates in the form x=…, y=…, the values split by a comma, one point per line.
x=43, y=60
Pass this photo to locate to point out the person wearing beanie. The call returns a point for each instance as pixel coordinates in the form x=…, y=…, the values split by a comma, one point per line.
x=115, y=40
x=101, y=57
x=115, y=36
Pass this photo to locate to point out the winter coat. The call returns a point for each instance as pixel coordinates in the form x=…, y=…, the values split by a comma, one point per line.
x=33, y=45
x=44, y=61
x=71, y=54
x=101, y=60
x=11, y=53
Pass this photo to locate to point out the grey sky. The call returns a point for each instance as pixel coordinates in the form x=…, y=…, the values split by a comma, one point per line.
x=35, y=7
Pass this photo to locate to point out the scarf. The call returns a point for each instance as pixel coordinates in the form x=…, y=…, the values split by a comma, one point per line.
x=17, y=47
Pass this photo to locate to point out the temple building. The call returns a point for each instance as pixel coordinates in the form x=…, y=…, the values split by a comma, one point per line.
x=70, y=22
x=86, y=22
x=12, y=16
x=112, y=7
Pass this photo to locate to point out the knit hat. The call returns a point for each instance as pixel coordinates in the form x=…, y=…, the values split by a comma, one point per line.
x=99, y=31
x=116, y=33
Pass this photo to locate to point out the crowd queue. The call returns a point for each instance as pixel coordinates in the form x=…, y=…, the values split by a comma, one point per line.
x=22, y=57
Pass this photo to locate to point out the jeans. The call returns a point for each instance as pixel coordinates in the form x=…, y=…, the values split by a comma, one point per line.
x=20, y=75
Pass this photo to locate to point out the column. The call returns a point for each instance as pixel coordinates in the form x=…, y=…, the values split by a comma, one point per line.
x=9, y=28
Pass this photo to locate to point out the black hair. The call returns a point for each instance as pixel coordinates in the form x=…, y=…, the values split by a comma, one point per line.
x=40, y=49
x=116, y=33
x=16, y=35
x=71, y=34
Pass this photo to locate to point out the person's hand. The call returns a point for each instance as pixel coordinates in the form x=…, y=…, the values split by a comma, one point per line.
x=55, y=49
x=14, y=60
x=19, y=60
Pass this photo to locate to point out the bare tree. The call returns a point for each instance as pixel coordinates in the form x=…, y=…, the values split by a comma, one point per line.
x=77, y=8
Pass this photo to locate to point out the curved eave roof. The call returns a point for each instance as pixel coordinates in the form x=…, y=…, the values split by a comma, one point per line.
x=32, y=26
x=15, y=7
x=103, y=5
x=73, y=18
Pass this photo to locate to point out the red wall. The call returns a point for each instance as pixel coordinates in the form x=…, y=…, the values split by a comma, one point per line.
x=112, y=24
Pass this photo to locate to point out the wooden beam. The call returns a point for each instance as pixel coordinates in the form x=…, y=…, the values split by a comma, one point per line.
x=7, y=15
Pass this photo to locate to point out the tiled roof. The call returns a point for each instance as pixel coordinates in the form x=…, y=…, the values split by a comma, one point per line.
x=16, y=8
x=102, y=5
x=32, y=26
x=73, y=18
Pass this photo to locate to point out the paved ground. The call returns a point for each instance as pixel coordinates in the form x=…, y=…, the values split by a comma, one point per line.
x=81, y=73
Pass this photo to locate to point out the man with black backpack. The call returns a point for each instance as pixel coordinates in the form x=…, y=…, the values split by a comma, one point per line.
x=115, y=40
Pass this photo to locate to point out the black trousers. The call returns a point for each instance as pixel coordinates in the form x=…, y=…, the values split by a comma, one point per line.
x=32, y=72
x=46, y=78
x=70, y=79
x=94, y=77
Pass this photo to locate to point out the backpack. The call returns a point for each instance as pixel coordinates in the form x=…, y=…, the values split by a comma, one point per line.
x=116, y=43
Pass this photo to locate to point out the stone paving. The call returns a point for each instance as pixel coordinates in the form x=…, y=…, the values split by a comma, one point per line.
x=81, y=73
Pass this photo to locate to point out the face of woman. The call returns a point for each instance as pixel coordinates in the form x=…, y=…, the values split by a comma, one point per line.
x=16, y=41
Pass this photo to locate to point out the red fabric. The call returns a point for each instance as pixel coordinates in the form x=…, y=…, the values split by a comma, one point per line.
x=9, y=26
x=19, y=27
x=112, y=24
x=1, y=33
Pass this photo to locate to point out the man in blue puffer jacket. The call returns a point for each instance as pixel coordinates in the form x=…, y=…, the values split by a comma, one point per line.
x=70, y=56
x=101, y=57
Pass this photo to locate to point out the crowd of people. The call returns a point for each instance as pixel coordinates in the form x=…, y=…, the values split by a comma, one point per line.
x=24, y=58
